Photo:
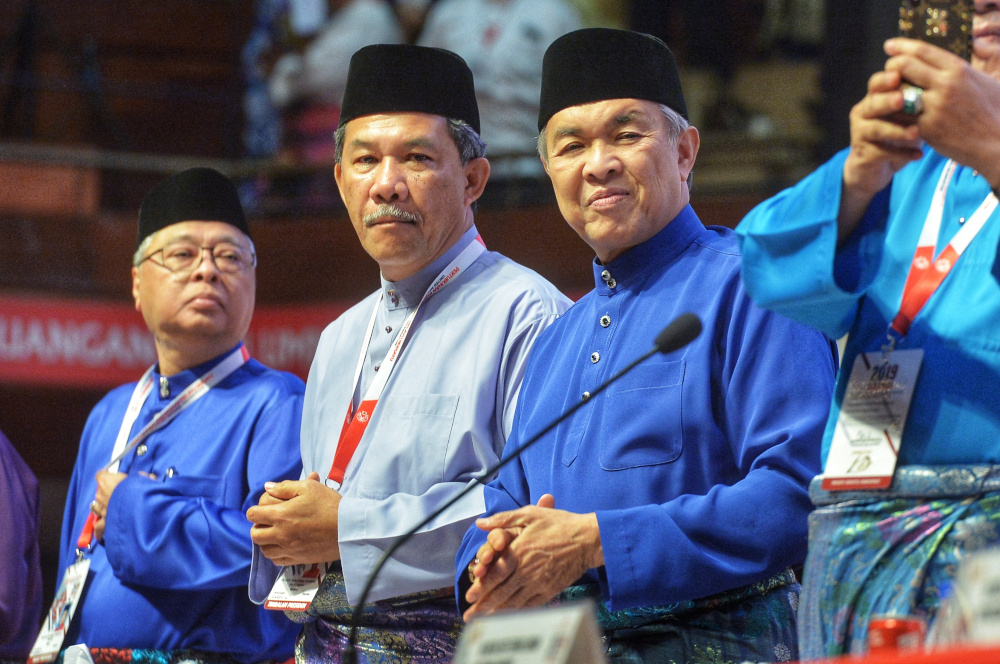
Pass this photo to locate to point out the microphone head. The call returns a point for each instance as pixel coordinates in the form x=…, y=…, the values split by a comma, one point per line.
x=679, y=333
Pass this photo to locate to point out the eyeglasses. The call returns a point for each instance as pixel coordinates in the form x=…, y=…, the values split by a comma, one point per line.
x=181, y=257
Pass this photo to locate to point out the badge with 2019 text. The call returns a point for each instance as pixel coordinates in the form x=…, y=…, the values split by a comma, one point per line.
x=872, y=417
x=50, y=638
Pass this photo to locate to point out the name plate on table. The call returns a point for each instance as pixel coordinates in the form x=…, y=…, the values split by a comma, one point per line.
x=566, y=634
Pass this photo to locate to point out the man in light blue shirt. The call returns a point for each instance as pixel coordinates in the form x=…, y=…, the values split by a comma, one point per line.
x=420, y=379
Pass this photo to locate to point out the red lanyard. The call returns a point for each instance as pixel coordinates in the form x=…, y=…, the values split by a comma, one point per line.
x=926, y=272
x=355, y=423
x=191, y=393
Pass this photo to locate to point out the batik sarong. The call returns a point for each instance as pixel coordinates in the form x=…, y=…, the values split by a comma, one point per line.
x=412, y=629
x=891, y=551
x=755, y=623
x=151, y=656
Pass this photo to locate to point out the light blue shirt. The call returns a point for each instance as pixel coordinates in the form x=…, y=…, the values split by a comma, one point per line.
x=442, y=420
x=791, y=264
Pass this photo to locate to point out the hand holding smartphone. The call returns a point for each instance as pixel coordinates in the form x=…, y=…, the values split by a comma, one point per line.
x=946, y=24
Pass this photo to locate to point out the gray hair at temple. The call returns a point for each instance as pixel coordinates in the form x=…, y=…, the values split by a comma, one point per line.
x=470, y=145
x=676, y=125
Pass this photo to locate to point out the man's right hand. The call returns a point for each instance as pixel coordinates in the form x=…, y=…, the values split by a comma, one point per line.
x=295, y=522
x=879, y=148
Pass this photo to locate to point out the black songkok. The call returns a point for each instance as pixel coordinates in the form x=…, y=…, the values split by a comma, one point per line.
x=401, y=78
x=197, y=194
x=595, y=64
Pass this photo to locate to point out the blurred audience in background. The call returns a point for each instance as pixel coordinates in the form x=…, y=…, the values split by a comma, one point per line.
x=296, y=58
x=503, y=42
x=296, y=63
x=307, y=82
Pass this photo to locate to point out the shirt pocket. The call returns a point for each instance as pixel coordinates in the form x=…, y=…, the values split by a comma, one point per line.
x=643, y=419
x=211, y=487
x=408, y=448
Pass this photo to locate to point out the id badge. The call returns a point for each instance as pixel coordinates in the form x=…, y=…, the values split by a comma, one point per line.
x=869, y=430
x=296, y=587
x=57, y=621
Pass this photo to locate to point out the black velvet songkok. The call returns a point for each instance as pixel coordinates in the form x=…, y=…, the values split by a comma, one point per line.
x=197, y=194
x=595, y=64
x=401, y=78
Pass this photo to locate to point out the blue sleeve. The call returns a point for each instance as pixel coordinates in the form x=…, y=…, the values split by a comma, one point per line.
x=791, y=262
x=170, y=535
x=508, y=491
x=774, y=383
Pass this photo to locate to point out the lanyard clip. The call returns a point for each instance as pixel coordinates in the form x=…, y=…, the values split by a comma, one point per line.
x=892, y=336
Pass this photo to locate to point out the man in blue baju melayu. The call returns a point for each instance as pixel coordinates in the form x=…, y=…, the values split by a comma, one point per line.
x=893, y=242
x=197, y=438
x=677, y=498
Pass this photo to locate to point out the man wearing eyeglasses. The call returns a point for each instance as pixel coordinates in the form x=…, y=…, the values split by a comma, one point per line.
x=169, y=465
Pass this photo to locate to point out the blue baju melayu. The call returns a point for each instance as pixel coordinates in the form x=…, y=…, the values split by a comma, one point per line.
x=895, y=550
x=696, y=463
x=172, y=570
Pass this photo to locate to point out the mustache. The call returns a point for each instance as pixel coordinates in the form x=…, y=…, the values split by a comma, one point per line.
x=385, y=210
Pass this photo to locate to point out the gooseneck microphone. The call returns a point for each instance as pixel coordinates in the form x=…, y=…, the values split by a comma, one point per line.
x=679, y=333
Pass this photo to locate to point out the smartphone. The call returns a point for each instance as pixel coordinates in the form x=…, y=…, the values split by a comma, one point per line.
x=944, y=23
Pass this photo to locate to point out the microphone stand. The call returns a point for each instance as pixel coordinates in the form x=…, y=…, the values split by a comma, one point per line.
x=680, y=332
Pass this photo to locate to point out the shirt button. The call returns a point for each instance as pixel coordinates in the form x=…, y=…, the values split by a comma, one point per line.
x=605, y=321
x=164, y=387
x=388, y=329
x=377, y=366
x=612, y=283
x=171, y=472
x=585, y=396
x=605, y=275
x=595, y=357
x=141, y=450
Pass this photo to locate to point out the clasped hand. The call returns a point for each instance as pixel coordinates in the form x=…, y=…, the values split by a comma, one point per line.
x=530, y=556
x=295, y=522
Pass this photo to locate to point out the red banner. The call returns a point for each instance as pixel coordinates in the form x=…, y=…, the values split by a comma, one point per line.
x=88, y=343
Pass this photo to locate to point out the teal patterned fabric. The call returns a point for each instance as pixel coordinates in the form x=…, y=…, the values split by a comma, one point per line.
x=751, y=624
x=413, y=629
x=151, y=656
x=891, y=551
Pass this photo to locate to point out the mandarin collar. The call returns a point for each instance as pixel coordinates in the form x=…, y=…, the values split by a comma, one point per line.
x=636, y=262
x=407, y=293
x=180, y=381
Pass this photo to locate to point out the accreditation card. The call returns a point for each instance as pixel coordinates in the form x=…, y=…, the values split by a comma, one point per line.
x=296, y=587
x=50, y=639
x=873, y=414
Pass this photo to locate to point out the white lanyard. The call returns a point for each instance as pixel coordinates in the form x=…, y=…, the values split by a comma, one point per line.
x=191, y=393
x=932, y=225
x=355, y=423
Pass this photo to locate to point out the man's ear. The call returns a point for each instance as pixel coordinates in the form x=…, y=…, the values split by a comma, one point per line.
x=477, y=172
x=687, y=151
x=135, y=288
x=338, y=176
